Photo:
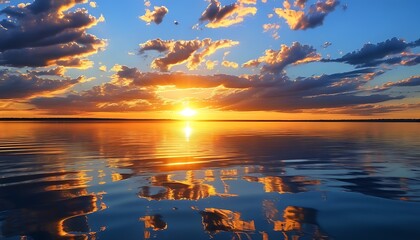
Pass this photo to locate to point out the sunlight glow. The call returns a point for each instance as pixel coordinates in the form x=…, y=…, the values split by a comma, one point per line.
x=187, y=131
x=188, y=112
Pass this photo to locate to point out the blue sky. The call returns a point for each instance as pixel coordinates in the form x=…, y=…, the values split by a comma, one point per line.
x=345, y=27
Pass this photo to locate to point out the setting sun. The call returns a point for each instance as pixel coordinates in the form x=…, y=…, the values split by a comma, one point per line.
x=188, y=112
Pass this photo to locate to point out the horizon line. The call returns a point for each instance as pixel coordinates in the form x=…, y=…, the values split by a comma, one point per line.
x=75, y=119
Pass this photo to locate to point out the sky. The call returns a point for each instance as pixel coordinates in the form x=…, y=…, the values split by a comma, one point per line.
x=225, y=59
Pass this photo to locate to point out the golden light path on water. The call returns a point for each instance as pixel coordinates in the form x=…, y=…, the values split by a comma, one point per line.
x=188, y=131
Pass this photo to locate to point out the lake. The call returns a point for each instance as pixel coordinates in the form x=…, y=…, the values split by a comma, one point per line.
x=209, y=180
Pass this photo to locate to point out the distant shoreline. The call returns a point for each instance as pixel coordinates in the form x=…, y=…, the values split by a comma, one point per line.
x=183, y=120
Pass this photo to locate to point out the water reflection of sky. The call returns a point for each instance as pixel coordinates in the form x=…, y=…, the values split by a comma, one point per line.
x=209, y=179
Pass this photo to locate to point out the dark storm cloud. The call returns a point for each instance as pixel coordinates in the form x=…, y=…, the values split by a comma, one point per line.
x=15, y=85
x=376, y=54
x=45, y=33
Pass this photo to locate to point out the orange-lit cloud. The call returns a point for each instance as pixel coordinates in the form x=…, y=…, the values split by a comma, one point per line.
x=279, y=93
x=103, y=68
x=408, y=82
x=301, y=20
x=107, y=97
x=132, y=91
x=224, y=16
x=211, y=64
x=191, y=52
x=58, y=71
x=155, y=16
x=247, y=2
x=300, y=3
x=230, y=64
x=61, y=39
x=16, y=85
x=275, y=61
x=178, y=79
x=273, y=28
x=270, y=26
x=370, y=109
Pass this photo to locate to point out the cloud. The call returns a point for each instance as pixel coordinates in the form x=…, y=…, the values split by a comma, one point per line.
x=58, y=71
x=93, y=4
x=103, y=68
x=370, y=109
x=412, y=61
x=301, y=20
x=230, y=64
x=279, y=93
x=273, y=28
x=275, y=61
x=192, y=52
x=251, y=2
x=326, y=44
x=155, y=16
x=408, y=82
x=44, y=33
x=132, y=90
x=177, y=79
x=300, y=3
x=391, y=51
x=211, y=64
x=270, y=26
x=15, y=85
x=107, y=97
x=266, y=91
x=224, y=16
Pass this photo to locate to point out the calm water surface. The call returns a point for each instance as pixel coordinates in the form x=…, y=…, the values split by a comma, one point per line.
x=209, y=180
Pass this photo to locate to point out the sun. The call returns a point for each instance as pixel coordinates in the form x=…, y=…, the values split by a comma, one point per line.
x=188, y=112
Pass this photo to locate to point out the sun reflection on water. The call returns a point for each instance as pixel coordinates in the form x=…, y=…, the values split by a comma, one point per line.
x=188, y=131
